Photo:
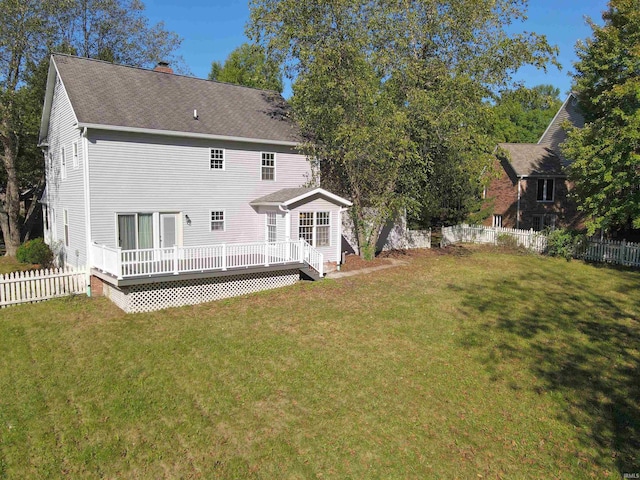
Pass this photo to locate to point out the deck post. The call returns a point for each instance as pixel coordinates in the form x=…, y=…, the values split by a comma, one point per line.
x=176, y=266
x=301, y=250
x=224, y=257
x=118, y=262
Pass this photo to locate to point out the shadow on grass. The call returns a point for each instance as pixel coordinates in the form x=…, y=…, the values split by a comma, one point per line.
x=580, y=335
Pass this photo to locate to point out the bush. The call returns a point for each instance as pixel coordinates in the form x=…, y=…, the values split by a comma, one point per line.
x=507, y=241
x=36, y=252
x=564, y=243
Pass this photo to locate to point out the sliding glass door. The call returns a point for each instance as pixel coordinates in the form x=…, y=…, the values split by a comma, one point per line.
x=135, y=231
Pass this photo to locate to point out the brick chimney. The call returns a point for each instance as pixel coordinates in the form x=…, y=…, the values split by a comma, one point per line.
x=163, y=67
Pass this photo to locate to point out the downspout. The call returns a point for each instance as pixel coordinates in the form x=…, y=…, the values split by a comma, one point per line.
x=87, y=210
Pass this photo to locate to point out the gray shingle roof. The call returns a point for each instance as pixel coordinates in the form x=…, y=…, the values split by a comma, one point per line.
x=107, y=94
x=531, y=159
x=282, y=196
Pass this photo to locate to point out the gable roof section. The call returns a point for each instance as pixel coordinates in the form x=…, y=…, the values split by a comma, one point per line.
x=290, y=196
x=117, y=97
x=531, y=159
x=554, y=135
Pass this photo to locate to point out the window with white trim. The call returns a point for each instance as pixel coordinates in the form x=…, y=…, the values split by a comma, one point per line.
x=268, y=171
x=545, y=190
x=497, y=221
x=323, y=229
x=216, y=158
x=63, y=163
x=315, y=228
x=74, y=151
x=544, y=221
x=135, y=231
x=65, y=220
x=217, y=221
x=271, y=226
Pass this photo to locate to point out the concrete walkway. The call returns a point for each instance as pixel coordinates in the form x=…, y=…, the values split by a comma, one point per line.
x=393, y=263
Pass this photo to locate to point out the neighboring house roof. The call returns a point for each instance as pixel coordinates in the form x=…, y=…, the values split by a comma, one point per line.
x=290, y=196
x=554, y=135
x=531, y=159
x=116, y=97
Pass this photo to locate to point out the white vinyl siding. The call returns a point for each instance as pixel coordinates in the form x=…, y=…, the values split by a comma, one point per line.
x=67, y=194
x=217, y=221
x=268, y=166
x=216, y=158
x=136, y=173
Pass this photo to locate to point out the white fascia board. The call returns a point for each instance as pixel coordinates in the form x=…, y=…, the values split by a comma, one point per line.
x=48, y=100
x=171, y=133
x=322, y=192
x=555, y=116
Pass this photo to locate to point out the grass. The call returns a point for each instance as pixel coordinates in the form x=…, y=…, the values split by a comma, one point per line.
x=467, y=365
x=10, y=264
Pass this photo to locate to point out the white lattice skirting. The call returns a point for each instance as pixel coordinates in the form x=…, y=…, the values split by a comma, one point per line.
x=156, y=296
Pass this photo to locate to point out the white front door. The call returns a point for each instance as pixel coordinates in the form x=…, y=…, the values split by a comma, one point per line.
x=168, y=230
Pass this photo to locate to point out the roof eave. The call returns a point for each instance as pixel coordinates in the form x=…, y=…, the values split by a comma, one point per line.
x=171, y=133
x=343, y=201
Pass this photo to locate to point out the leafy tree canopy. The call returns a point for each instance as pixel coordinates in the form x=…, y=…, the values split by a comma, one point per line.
x=606, y=152
x=522, y=115
x=391, y=97
x=113, y=30
x=250, y=66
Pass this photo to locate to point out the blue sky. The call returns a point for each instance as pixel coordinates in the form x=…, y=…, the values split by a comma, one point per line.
x=211, y=29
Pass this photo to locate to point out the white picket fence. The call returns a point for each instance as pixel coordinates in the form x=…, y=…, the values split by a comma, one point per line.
x=491, y=235
x=38, y=285
x=611, y=251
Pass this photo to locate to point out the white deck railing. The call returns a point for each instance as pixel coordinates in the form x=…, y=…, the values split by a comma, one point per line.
x=175, y=260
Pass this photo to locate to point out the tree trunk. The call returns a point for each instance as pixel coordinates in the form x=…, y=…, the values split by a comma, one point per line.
x=33, y=215
x=11, y=203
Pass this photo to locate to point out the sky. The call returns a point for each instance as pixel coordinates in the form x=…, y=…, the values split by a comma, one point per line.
x=211, y=29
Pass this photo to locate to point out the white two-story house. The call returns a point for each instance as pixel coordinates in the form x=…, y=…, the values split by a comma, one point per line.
x=175, y=190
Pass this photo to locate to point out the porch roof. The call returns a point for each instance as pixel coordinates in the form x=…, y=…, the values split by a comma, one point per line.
x=289, y=196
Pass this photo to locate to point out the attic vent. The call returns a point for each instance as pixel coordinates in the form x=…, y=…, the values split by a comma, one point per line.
x=163, y=67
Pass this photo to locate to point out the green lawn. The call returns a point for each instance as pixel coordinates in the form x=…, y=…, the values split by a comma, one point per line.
x=472, y=364
x=10, y=264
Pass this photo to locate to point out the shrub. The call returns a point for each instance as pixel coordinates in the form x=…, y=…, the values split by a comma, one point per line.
x=564, y=243
x=507, y=241
x=36, y=252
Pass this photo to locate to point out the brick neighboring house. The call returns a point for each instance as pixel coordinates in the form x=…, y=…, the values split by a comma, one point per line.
x=532, y=189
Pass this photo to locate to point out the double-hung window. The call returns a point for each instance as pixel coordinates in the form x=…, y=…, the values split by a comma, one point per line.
x=65, y=221
x=63, y=163
x=135, y=231
x=217, y=220
x=74, y=151
x=497, y=221
x=216, y=158
x=271, y=227
x=268, y=169
x=545, y=190
x=542, y=222
x=315, y=228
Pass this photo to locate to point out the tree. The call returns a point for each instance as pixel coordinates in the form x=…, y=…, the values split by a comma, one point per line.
x=250, y=66
x=113, y=30
x=522, y=115
x=391, y=97
x=606, y=152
